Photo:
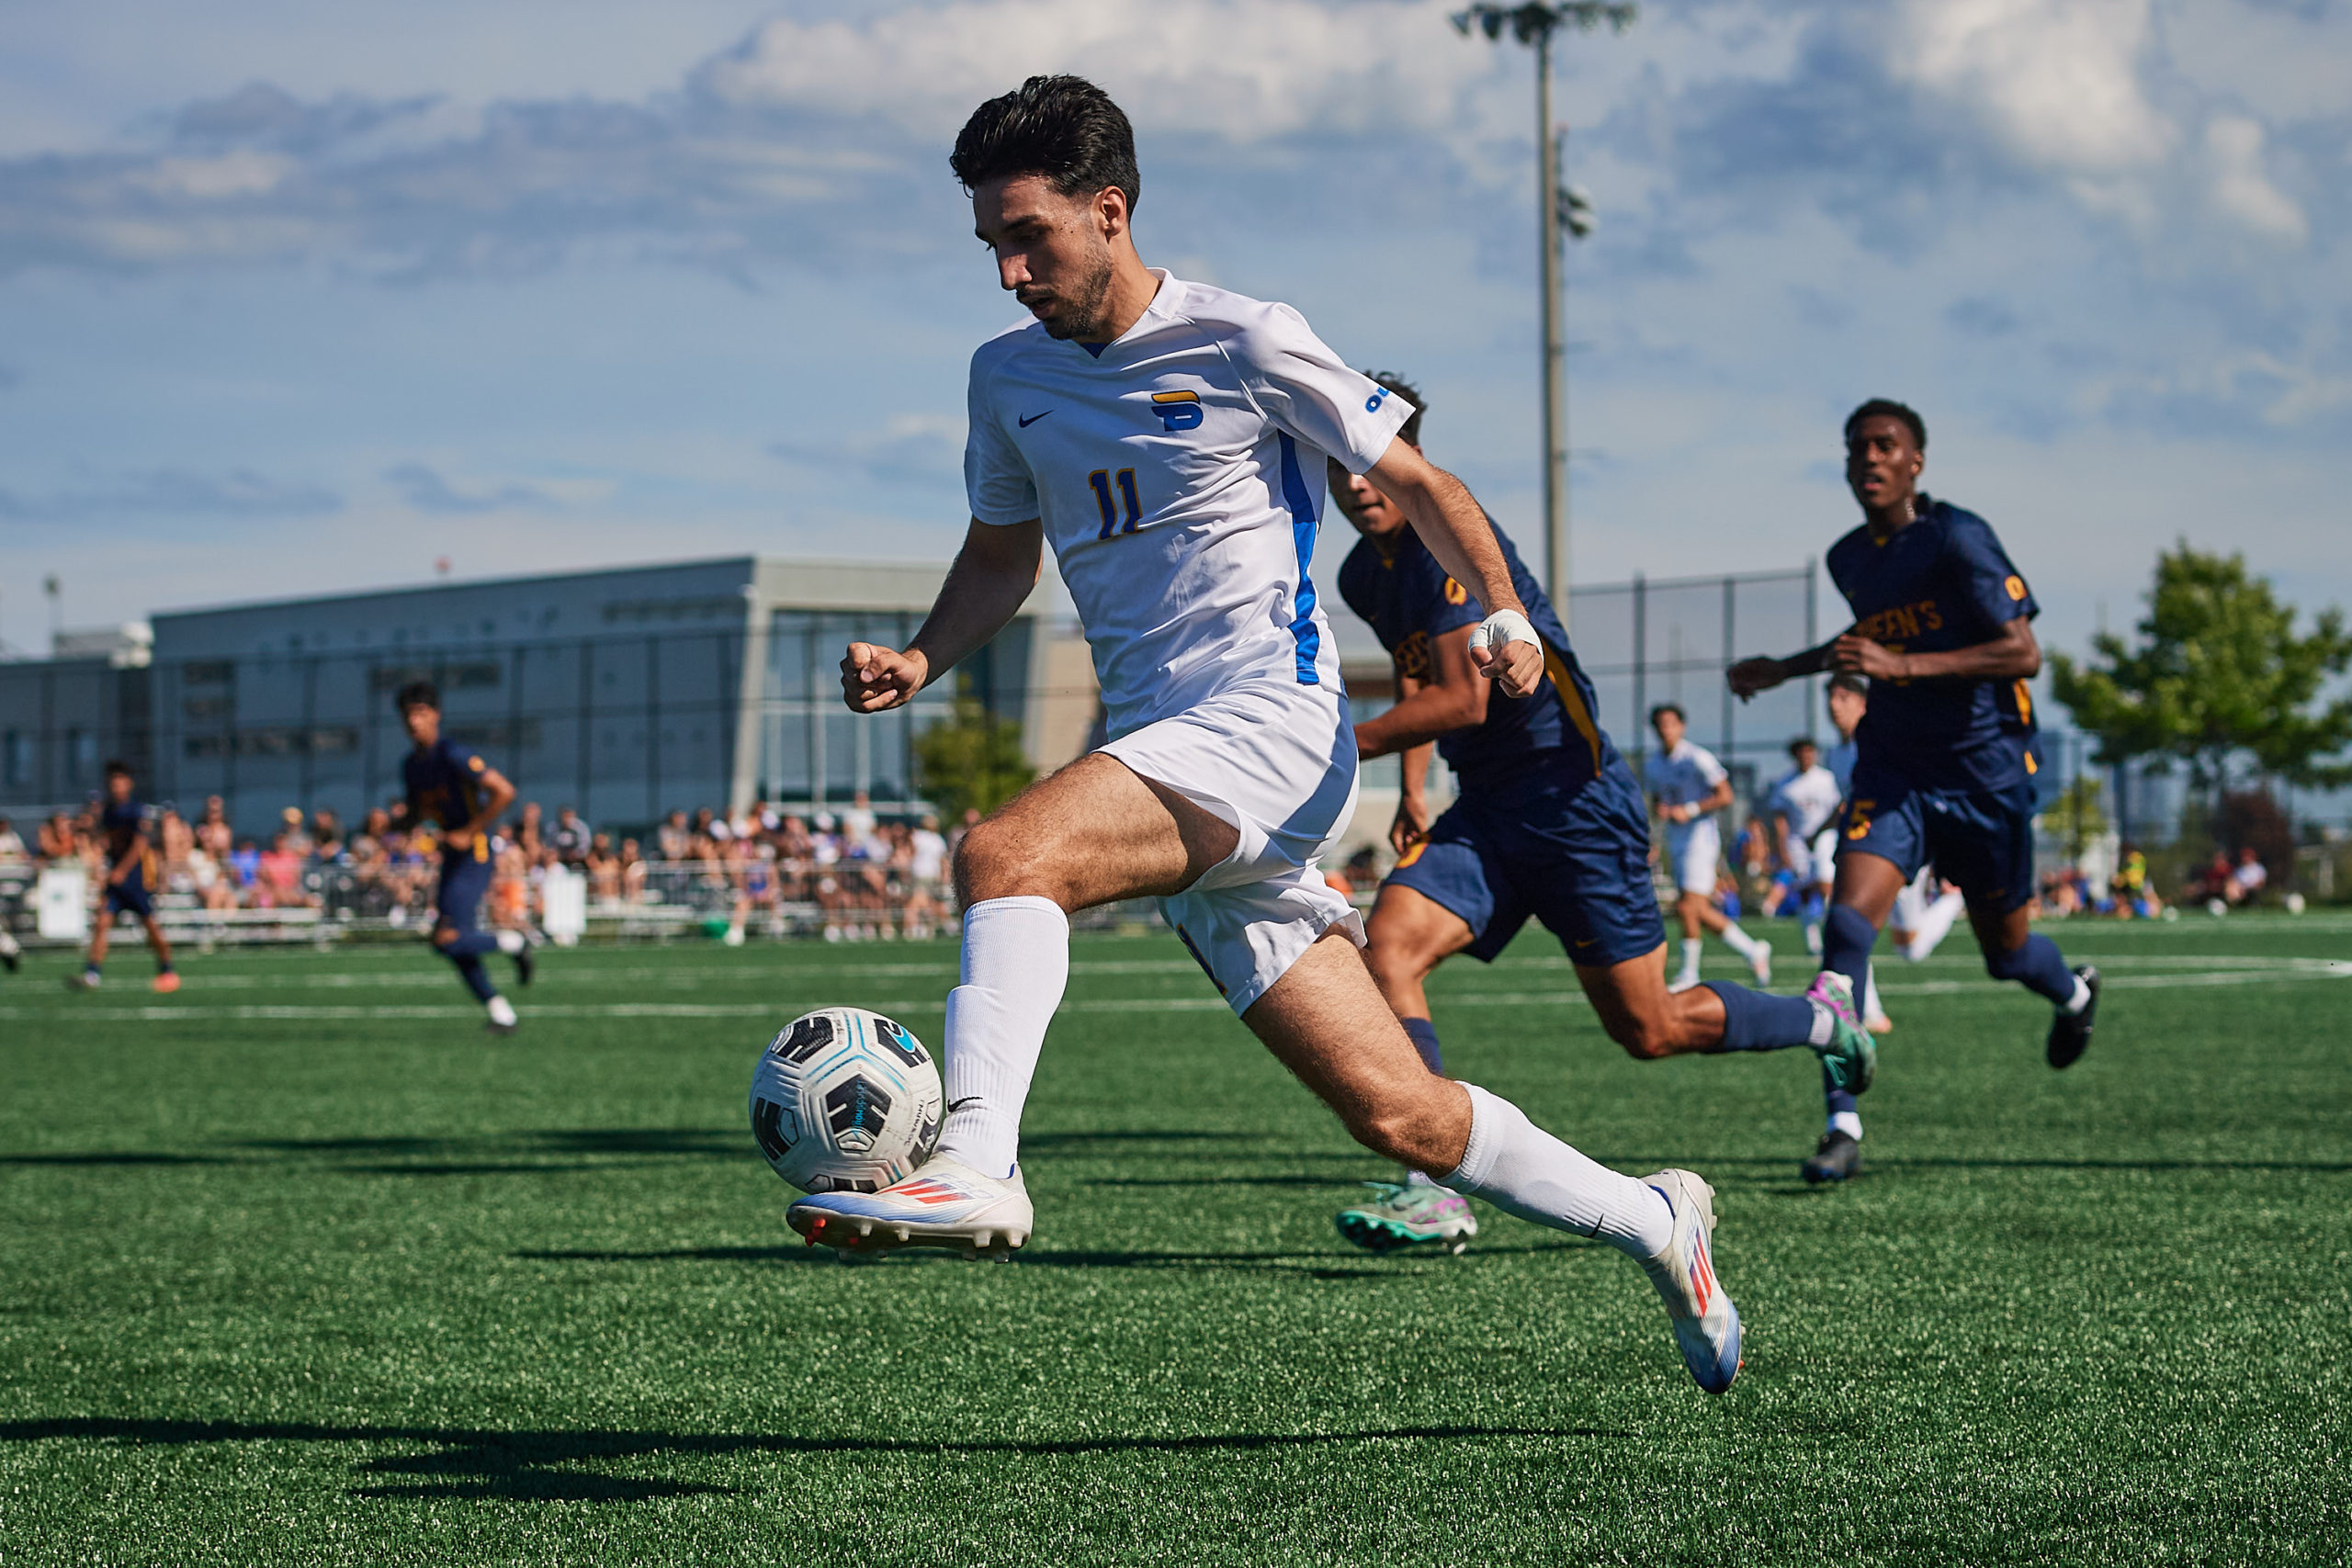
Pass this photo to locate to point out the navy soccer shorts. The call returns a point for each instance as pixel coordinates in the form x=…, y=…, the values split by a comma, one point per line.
x=131, y=896
x=1574, y=855
x=1982, y=839
x=464, y=882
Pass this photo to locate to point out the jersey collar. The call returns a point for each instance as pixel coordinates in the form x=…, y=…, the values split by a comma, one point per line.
x=1162, y=309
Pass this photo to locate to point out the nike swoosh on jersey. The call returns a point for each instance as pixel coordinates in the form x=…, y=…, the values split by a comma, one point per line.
x=1028, y=420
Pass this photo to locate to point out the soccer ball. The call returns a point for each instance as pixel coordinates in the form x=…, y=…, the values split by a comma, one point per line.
x=845, y=1100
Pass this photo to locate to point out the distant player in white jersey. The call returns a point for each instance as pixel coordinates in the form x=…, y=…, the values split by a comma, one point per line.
x=1165, y=436
x=1804, y=807
x=1687, y=788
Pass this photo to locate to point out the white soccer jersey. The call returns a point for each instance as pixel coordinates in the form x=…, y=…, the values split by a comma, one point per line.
x=1684, y=776
x=1807, y=800
x=1179, y=475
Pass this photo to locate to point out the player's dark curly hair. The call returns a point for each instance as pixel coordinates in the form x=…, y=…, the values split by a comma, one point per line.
x=1064, y=128
x=1893, y=410
x=1411, y=429
x=416, y=694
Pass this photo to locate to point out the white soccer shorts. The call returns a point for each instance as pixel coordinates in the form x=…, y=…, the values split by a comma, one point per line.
x=1819, y=859
x=1694, y=847
x=1277, y=762
x=1911, y=904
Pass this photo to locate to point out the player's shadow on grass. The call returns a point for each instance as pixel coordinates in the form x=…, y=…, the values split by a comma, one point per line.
x=531, y=1466
x=539, y=1151
x=1313, y=1265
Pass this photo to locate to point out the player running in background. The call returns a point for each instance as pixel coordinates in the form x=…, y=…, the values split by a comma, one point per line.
x=450, y=785
x=1547, y=822
x=1687, y=788
x=1802, y=803
x=1943, y=629
x=130, y=882
x=1848, y=700
x=1161, y=434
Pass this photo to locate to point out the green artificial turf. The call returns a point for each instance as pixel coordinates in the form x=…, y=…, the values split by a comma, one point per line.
x=299, y=1265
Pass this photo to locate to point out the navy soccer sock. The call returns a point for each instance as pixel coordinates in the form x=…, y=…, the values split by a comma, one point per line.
x=1846, y=937
x=470, y=944
x=1757, y=1021
x=1838, y=1101
x=2037, y=966
x=477, y=978
x=1423, y=1034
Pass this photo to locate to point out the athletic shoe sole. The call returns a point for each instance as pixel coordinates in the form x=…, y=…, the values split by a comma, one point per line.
x=1374, y=1232
x=860, y=1232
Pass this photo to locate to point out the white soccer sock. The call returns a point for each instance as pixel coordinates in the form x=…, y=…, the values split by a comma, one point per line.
x=511, y=942
x=8, y=944
x=2080, y=1000
x=1870, y=993
x=1522, y=1169
x=1016, y=962
x=1849, y=1123
x=1691, y=946
x=1738, y=940
x=1935, y=925
x=501, y=1011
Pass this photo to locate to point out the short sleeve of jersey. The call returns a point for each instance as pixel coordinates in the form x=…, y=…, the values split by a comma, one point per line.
x=996, y=480
x=1437, y=604
x=1709, y=769
x=1307, y=390
x=466, y=763
x=1990, y=583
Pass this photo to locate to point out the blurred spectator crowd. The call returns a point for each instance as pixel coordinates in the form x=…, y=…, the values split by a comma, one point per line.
x=850, y=874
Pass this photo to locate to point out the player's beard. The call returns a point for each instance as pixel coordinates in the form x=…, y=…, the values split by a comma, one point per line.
x=1083, y=306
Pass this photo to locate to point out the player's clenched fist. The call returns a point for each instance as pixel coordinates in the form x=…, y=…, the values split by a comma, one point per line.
x=1504, y=649
x=874, y=678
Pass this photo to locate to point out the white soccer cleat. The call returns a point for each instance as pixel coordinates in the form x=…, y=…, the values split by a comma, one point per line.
x=500, y=1016
x=1706, y=1326
x=1760, y=963
x=942, y=1204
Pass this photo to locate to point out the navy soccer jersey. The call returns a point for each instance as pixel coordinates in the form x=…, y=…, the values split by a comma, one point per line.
x=1409, y=602
x=1942, y=583
x=124, y=822
x=444, y=783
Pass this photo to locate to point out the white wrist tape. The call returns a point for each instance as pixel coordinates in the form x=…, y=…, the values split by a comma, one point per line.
x=1503, y=627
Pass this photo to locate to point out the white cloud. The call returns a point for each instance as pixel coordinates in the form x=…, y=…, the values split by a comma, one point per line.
x=2241, y=190
x=2057, y=82
x=1239, y=71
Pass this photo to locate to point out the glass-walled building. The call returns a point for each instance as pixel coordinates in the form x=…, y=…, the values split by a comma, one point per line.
x=625, y=694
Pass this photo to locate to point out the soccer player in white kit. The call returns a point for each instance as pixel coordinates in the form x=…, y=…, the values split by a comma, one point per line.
x=1162, y=435
x=1804, y=802
x=1687, y=788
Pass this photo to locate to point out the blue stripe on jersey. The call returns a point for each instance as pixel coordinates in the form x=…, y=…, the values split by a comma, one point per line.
x=1302, y=532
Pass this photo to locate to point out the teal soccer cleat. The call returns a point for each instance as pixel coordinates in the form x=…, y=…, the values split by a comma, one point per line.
x=1852, y=1055
x=1402, y=1214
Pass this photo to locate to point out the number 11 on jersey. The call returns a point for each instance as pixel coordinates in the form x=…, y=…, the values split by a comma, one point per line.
x=1100, y=479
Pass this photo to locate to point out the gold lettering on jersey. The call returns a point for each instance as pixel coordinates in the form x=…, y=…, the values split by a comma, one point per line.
x=1903, y=620
x=1412, y=657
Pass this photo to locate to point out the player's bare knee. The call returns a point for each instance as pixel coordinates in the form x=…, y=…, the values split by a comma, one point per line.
x=1644, y=1039
x=443, y=937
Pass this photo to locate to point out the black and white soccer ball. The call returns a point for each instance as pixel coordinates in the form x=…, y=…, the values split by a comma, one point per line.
x=845, y=1100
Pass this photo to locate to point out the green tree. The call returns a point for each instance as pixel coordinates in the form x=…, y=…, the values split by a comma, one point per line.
x=2217, y=670
x=970, y=759
x=2078, y=816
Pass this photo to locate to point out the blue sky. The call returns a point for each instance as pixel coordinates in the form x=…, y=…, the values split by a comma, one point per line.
x=302, y=297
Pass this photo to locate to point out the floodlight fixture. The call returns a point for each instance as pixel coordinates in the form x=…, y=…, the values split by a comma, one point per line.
x=1562, y=210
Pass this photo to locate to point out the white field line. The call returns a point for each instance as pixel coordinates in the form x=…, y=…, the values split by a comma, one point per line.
x=695, y=975
x=2241, y=972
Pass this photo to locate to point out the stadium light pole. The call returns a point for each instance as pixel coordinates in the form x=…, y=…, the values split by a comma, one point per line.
x=1533, y=24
